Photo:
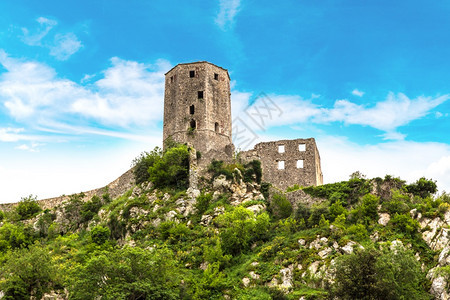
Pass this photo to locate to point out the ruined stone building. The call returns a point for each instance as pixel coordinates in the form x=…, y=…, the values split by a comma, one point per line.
x=197, y=111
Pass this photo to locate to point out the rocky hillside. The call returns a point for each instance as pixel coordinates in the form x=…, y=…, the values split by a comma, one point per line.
x=232, y=237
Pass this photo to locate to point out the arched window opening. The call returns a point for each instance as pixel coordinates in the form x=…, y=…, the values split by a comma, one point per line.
x=192, y=109
x=216, y=127
x=193, y=124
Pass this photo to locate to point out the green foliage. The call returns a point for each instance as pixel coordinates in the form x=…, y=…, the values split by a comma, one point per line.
x=316, y=213
x=404, y=224
x=358, y=232
x=280, y=206
x=336, y=209
x=14, y=236
x=90, y=208
x=202, y=203
x=28, y=272
x=295, y=187
x=347, y=191
x=173, y=232
x=239, y=228
x=44, y=222
x=172, y=169
x=375, y=274
x=143, y=162
x=265, y=186
x=127, y=273
x=100, y=234
x=28, y=208
x=397, y=204
x=253, y=171
x=422, y=188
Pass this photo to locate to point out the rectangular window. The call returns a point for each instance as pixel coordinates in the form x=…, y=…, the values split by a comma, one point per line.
x=301, y=147
x=191, y=74
x=281, y=165
x=280, y=148
x=300, y=164
x=171, y=78
x=216, y=76
x=200, y=95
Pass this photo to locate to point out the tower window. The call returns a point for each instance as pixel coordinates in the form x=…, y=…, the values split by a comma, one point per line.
x=216, y=127
x=191, y=109
x=191, y=74
x=300, y=164
x=280, y=148
x=301, y=147
x=193, y=124
x=200, y=95
x=216, y=76
x=281, y=165
x=171, y=78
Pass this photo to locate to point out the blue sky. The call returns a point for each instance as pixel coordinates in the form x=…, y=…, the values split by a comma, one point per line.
x=82, y=83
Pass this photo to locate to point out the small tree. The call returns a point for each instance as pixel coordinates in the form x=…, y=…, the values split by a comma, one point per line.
x=28, y=207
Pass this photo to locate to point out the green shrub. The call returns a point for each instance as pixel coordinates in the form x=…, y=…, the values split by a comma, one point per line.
x=422, y=188
x=238, y=228
x=28, y=208
x=143, y=162
x=280, y=206
x=90, y=208
x=172, y=169
x=253, y=171
x=404, y=224
x=373, y=274
x=202, y=203
x=100, y=234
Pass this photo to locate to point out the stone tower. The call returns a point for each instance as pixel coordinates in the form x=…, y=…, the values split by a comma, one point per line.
x=197, y=109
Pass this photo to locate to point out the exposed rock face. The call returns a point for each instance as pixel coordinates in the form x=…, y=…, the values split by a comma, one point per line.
x=437, y=236
x=384, y=219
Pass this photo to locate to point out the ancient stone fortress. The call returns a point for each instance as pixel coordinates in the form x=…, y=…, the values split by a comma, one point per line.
x=197, y=111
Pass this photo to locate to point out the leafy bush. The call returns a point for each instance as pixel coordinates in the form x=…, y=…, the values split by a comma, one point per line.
x=90, y=208
x=28, y=274
x=404, y=224
x=202, y=203
x=280, y=206
x=422, y=188
x=172, y=169
x=100, y=234
x=253, y=171
x=239, y=228
x=373, y=274
x=143, y=162
x=127, y=273
x=28, y=208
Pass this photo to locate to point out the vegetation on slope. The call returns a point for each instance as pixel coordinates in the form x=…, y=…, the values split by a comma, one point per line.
x=166, y=242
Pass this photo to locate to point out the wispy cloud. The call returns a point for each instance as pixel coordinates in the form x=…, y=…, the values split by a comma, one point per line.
x=65, y=45
x=32, y=147
x=127, y=93
x=34, y=37
x=386, y=115
x=228, y=9
x=62, y=45
x=358, y=93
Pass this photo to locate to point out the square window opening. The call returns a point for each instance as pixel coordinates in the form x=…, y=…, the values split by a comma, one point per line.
x=281, y=165
x=301, y=147
x=191, y=74
x=280, y=148
x=300, y=164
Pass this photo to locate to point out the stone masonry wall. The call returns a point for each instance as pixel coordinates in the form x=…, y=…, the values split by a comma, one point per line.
x=115, y=189
x=288, y=162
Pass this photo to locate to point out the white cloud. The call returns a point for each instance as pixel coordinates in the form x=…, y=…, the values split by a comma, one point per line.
x=129, y=93
x=34, y=39
x=10, y=134
x=394, y=111
x=228, y=9
x=386, y=115
x=65, y=45
x=408, y=160
x=62, y=46
x=33, y=147
x=358, y=93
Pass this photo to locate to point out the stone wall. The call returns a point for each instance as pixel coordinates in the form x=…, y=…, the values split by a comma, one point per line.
x=115, y=189
x=288, y=162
